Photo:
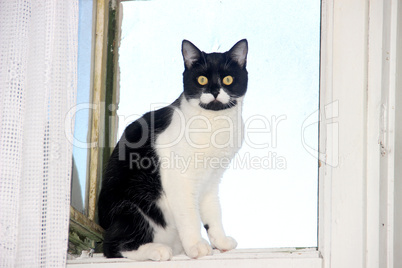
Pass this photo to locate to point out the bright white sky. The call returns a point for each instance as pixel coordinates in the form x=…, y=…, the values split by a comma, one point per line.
x=266, y=207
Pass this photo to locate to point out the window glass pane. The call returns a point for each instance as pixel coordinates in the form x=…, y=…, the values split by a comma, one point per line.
x=82, y=116
x=269, y=196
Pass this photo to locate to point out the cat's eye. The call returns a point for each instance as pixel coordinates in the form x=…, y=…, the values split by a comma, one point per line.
x=228, y=80
x=202, y=80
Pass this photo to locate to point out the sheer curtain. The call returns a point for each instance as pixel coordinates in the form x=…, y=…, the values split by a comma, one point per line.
x=38, y=55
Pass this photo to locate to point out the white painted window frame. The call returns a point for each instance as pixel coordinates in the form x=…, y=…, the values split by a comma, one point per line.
x=359, y=47
x=360, y=42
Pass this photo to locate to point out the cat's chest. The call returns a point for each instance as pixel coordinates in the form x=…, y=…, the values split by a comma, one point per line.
x=214, y=134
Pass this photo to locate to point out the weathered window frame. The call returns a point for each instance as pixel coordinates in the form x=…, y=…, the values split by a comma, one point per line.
x=85, y=233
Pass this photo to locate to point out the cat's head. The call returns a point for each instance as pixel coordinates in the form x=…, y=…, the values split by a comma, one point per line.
x=215, y=81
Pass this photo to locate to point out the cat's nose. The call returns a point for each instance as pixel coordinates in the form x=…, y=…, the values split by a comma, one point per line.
x=215, y=93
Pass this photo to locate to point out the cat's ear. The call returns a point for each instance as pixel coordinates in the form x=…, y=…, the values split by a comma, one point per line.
x=239, y=52
x=190, y=53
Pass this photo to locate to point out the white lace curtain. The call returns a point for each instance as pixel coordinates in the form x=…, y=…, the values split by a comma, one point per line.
x=38, y=59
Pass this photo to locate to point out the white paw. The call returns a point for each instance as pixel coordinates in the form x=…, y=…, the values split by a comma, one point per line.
x=223, y=243
x=200, y=249
x=150, y=251
x=159, y=252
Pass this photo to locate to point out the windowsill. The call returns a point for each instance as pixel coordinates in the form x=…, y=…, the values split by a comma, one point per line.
x=280, y=257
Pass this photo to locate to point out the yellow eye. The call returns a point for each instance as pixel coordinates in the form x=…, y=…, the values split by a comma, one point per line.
x=228, y=80
x=202, y=80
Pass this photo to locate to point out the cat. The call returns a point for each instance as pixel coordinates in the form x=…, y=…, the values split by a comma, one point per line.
x=162, y=178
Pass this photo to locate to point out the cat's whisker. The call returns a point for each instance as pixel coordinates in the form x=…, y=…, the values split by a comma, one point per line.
x=231, y=103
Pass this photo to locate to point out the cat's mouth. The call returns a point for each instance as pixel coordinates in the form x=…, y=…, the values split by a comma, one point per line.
x=217, y=102
x=216, y=105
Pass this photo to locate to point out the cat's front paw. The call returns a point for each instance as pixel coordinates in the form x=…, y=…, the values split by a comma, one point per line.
x=200, y=249
x=159, y=252
x=224, y=243
x=150, y=251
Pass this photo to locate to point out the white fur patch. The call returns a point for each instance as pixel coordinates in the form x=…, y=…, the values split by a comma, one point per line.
x=194, y=102
x=206, y=98
x=150, y=251
x=223, y=97
x=196, y=135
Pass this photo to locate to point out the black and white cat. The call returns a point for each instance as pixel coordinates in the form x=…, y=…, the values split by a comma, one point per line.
x=150, y=206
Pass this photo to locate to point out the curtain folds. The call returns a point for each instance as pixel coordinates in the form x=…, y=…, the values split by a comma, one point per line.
x=38, y=62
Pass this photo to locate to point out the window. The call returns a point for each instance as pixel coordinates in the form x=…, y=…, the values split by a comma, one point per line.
x=80, y=224
x=82, y=115
x=94, y=127
x=273, y=181
x=358, y=216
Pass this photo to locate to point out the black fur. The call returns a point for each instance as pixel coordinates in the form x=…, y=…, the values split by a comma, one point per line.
x=128, y=191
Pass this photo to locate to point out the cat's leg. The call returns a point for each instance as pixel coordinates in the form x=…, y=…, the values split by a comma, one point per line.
x=211, y=215
x=182, y=195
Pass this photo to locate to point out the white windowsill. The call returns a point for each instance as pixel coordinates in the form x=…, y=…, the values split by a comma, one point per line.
x=281, y=257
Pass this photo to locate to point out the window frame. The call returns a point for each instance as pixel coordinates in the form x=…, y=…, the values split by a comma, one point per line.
x=84, y=231
x=356, y=198
x=358, y=75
